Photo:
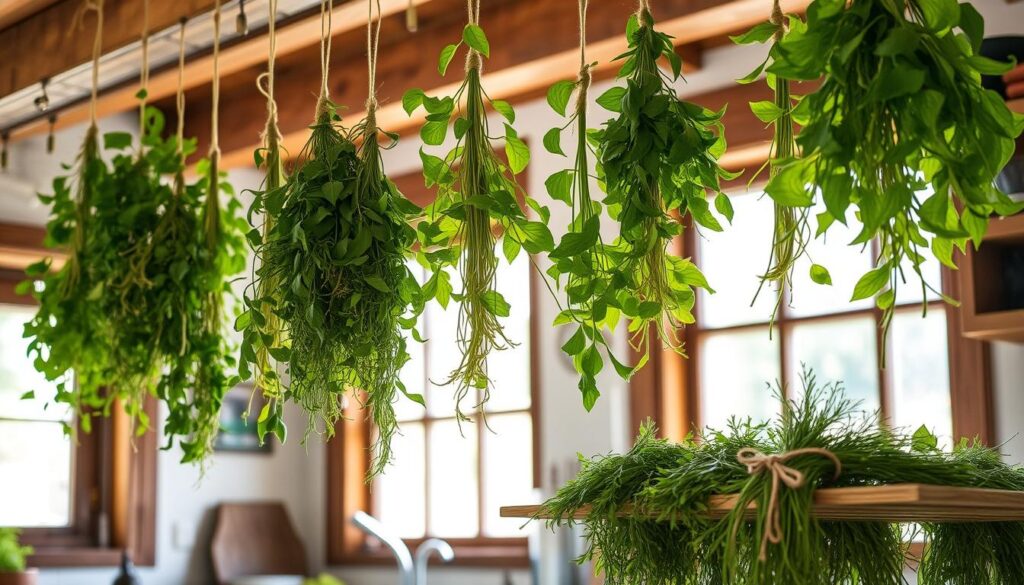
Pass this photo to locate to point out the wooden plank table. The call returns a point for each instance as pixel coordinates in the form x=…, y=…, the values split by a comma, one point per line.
x=909, y=502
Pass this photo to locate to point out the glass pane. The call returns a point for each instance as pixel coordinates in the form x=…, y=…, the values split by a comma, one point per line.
x=18, y=375
x=732, y=261
x=920, y=372
x=35, y=467
x=737, y=372
x=838, y=350
x=845, y=264
x=510, y=369
x=413, y=375
x=399, y=493
x=910, y=291
x=443, y=357
x=508, y=470
x=454, y=497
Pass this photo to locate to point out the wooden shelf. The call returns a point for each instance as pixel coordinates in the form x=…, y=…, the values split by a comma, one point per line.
x=909, y=502
x=982, y=285
x=1016, y=105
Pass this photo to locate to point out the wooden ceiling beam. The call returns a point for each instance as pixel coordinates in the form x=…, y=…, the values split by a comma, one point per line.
x=60, y=37
x=530, y=50
x=243, y=54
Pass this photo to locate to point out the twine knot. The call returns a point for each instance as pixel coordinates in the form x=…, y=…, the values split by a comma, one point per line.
x=757, y=463
x=473, y=61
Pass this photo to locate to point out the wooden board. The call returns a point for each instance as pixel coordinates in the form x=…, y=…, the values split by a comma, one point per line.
x=910, y=502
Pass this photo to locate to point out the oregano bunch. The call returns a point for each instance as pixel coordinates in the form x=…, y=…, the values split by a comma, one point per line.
x=900, y=131
x=658, y=160
x=477, y=194
x=581, y=259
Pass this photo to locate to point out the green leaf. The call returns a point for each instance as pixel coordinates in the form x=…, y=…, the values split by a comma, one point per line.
x=577, y=343
x=724, y=206
x=559, y=94
x=117, y=140
x=973, y=25
x=495, y=303
x=510, y=248
x=446, y=58
x=559, y=186
x=766, y=111
x=897, y=81
x=789, y=187
x=474, y=36
x=412, y=99
x=923, y=440
x=574, y=243
x=591, y=362
x=611, y=100
x=505, y=109
x=433, y=133
x=553, y=141
x=900, y=41
x=30, y=395
x=759, y=34
x=870, y=283
x=516, y=151
x=940, y=15
x=378, y=283
x=820, y=275
x=885, y=300
x=537, y=238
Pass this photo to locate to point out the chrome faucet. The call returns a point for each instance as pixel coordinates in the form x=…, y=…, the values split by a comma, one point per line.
x=409, y=573
x=443, y=550
x=373, y=527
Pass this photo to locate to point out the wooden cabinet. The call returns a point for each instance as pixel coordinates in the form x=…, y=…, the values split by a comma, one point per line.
x=992, y=285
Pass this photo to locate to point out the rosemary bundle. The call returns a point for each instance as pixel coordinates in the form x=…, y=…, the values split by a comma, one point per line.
x=901, y=130
x=665, y=536
x=476, y=192
x=658, y=160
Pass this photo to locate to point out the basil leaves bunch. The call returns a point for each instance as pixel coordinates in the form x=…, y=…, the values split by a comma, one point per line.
x=900, y=131
x=658, y=158
x=476, y=192
x=332, y=292
x=69, y=336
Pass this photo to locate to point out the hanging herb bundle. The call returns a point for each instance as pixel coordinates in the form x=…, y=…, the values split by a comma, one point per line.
x=665, y=536
x=581, y=257
x=792, y=222
x=336, y=244
x=658, y=158
x=900, y=130
x=476, y=193
x=69, y=335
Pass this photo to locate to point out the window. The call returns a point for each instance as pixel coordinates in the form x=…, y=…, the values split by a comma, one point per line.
x=81, y=502
x=442, y=483
x=465, y=472
x=33, y=445
x=817, y=326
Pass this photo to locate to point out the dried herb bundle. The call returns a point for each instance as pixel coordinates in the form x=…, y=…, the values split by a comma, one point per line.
x=683, y=546
x=476, y=193
x=901, y=130
x=658, y=160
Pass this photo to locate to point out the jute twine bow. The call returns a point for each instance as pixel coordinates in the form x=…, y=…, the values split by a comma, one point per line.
x=758, y=463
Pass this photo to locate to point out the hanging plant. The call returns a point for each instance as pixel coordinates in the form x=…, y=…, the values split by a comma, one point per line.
x=476, y=193
x=647, y=516
x=900, y=131
x=336, y=243
x=792, y=230
x=69, y=336
x=582, y=259
x=658, y=159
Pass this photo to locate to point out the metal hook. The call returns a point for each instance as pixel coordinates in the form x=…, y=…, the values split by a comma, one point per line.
x=43, y=102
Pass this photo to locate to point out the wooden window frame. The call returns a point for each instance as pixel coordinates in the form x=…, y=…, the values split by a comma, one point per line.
x=669, y=392
x=348, y=459
x=113, y=481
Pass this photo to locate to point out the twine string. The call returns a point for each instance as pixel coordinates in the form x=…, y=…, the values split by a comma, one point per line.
x=180, y=98
x=372, y=44
x=779, y=20
x=97, y=50
x=215, y=85
x=271, y=134
x=757, y=463
x=643, y=12
x=473, y=58
x=584, y=79
x=326, y=14
x=144, y=75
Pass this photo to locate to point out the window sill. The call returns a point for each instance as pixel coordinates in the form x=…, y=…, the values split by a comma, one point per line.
x=47, y=557
x=476, y=555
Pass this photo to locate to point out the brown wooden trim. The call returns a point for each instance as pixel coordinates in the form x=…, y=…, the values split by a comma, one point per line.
x=970, y=372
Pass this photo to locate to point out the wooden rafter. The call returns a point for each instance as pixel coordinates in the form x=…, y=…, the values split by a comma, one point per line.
x=530, y=51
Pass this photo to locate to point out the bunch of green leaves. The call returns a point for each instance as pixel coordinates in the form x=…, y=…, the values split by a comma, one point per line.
x=477, y=193
x=792, y=230
x=332, y=294
x=900, y=131
x=69, y=335
x=658, y=160
x=649, y=521
x=12, y=554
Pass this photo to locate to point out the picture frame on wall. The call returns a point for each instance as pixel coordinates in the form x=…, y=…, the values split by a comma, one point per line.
x=238, y=416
